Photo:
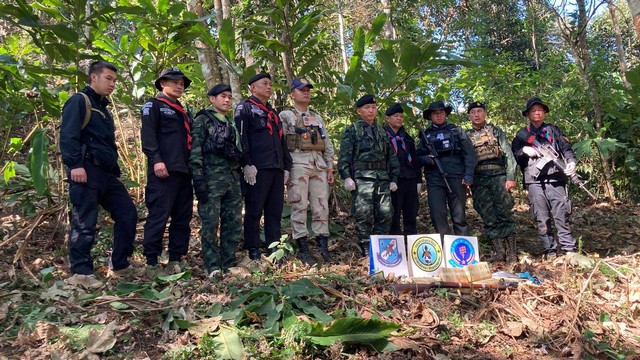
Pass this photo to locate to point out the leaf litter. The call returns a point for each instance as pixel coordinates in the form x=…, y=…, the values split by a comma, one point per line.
x=586, y=306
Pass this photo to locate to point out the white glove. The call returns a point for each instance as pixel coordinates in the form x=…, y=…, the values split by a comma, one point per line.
x=286, y=177
x=419, y=187
x=531, y=152
x=250, y=173
x=393, y=186
x=349, y=184
x=570, y=169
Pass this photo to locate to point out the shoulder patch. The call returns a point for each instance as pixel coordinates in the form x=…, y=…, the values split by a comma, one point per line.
x=146, y=108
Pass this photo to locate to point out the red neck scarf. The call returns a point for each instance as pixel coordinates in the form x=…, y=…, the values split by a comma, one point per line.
x=185, y=117
x=271, y=115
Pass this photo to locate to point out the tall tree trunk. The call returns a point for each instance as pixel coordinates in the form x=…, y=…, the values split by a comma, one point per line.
x=343, y=46
x=217, y=6
x=206, y=55
x=634, y=6
x=576, y=38
x=234, y=78
x=389, y=30
x=619, y=46
x=285, y=38
x=536, y=53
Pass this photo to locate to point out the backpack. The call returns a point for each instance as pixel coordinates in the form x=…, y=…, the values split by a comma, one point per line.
x=87, y=115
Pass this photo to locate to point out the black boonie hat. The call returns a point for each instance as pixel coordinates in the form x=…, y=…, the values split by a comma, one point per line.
x=173, y=74
x=533, y=101
x=474, y=105
x=365, y=100
x=300, y=83
x=438, y=105
x=394, y=109
x=217, y=89
x=259, y=76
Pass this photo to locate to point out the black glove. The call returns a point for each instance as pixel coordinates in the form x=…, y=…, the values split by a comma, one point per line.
x=200, y=188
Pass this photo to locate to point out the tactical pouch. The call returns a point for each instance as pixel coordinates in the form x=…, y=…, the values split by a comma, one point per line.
x=485, y=144
x=293, y=142
x=311, y=141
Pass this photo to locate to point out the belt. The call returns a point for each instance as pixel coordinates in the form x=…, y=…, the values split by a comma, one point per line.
x=374, y=165
x=489, y=167
x=94, y=161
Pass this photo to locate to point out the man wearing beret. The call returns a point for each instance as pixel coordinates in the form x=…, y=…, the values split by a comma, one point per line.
x=369, y=168
x=546, y=184
x=312, y=170
x=166, y=140
x=266, y=162
x=215, y=168
x=450, y=145
x=405, y=200
x=494, y=177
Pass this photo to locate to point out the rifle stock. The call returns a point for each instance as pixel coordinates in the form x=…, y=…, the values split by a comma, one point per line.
x=434, y=153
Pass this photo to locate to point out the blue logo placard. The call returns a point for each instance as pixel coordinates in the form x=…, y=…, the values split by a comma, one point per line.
x=462, y=253
x=389, y=254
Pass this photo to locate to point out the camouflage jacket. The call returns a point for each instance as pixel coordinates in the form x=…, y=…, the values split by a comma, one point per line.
x=203, y=162
x=366, y=152
x=505, y=159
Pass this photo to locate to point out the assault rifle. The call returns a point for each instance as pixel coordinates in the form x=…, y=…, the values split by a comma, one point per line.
x=421, y=288
x=436, y=160
x=549, y=154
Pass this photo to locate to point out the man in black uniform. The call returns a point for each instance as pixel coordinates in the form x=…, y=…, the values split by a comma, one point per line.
x=544, y=181
x=90, y=154
x=166, y=140
x=450, y=145
x=266, y=161
x=405, y=199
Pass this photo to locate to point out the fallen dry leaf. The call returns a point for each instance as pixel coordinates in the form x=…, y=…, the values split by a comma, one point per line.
x=513, y=328
x=99, y=342
x=205, y=326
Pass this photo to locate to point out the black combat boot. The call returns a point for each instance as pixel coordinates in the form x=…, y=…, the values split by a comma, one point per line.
x=323, y=244
x=254, y=254
x=498, y=247
x=512, y=253
x=303, y=251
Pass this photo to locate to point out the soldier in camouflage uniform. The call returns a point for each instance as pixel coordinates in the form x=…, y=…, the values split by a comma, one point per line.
x=369, y=167
x=215, y=166
x=311, y=172
x=493, y=178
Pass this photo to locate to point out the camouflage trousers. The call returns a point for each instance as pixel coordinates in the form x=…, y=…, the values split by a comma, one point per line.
x=223, y=209
x=372, y=208
x=494, y=204
x=308, y=187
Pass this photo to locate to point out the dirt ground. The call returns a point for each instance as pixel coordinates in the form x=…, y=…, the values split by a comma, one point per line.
x=585, y=308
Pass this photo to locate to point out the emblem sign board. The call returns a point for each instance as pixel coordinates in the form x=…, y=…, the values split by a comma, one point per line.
x=460, y=251
x=388, y=254
x=425, y=255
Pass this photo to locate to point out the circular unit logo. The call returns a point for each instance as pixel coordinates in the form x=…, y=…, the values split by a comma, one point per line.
x=462, y=252
x=427, y=254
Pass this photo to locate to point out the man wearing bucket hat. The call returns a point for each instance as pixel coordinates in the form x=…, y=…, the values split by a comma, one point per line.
x=266, y=162
x=312, y=170
x=405, y=200
x=546, y=185
x=215, y=167
x=449, y=145
x=370, y=170
x=494, y=177
x=166, y=141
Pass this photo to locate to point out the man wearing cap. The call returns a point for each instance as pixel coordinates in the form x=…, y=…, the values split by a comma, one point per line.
x=90, y=154
x=266, y=162
x=405, y=200
x=311, y=172
x=494, y=177
x=166, y=140
x=214, y=163
x=546, y=184
x=450, y=145
x=369, y=168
